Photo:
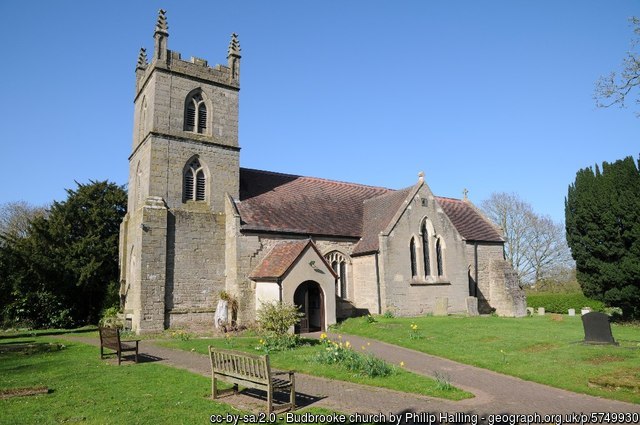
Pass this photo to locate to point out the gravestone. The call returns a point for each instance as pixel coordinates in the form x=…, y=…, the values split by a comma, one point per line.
x=540, y=311
x=472, y=306
x=442, y=306
x=530, y=311
x=597, y=329
x=572, y=312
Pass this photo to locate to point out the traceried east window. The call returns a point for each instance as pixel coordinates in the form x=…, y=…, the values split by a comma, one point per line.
x=195, y=115
x=194, y=182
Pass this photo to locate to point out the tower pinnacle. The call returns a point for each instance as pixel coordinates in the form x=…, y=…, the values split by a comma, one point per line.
x=142, y=59
x=161, y=34
x=233, y=57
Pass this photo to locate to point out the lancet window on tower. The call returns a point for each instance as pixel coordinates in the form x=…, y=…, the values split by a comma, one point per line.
x=195, y=115
x=338, y=263
x=194, y=182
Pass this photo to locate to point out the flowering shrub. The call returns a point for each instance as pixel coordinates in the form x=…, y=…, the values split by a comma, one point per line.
x=360, y=363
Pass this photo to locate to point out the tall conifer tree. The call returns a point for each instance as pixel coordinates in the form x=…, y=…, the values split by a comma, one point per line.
x=602, y=213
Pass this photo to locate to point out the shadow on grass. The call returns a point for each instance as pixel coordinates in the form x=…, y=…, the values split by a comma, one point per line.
x=45, y=332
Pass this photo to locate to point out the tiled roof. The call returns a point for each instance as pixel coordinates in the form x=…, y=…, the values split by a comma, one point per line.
x=304, y=205
x=277, y=261
x=469, y=223
x=378, y=212
x=284, y=203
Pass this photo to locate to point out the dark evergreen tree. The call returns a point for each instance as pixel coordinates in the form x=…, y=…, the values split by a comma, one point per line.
x=602, y=212
x=65, y=271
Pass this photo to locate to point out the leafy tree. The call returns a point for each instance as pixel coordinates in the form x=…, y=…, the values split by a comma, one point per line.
x=602, y=212
x=15, y=218
x=65, y=270
x=535, y=244
x=615, y=88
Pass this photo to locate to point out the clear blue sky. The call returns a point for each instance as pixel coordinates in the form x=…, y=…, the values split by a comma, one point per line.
x=491, y=96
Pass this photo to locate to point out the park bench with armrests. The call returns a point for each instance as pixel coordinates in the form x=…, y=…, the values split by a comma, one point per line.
x=110, y=338
x=249, y=371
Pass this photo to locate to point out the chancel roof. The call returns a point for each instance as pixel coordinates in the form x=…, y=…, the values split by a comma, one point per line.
x=284, y=203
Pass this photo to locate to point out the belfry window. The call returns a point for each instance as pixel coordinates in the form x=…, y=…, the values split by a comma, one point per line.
x=194, y=182
x=338, y=263
x=195, y=116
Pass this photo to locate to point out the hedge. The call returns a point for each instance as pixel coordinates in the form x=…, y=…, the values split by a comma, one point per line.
x=561, y=303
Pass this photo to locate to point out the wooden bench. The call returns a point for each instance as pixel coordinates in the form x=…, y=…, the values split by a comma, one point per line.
x=249, y=371
x=110, y=338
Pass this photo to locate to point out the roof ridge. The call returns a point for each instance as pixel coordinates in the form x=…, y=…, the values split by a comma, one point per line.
x=320, y=179
x=449, y=198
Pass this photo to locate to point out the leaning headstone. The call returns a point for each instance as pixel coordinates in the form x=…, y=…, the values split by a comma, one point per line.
x=572, y=312
x=585, y=310
x=442, y=306
x=540, y=311
x=597, y=329
x=530, y=311
x=472, y=306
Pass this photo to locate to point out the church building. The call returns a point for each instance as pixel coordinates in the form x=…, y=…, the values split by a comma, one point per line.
x=199, y=225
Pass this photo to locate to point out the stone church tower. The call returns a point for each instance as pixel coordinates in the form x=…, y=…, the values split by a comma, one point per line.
x=184, y=159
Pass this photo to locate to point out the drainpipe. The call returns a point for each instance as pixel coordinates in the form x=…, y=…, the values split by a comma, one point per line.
x=378, y=285
x=279, y=282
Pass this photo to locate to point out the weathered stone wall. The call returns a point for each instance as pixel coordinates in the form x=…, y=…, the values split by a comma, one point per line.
x=365, y=284
x=409, y=296
x=195, y=265
x=506, y=295
x=487, y=253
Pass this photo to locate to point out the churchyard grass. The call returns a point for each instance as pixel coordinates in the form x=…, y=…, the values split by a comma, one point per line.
x=84, y=389
x=301, y=360
x=545, y=349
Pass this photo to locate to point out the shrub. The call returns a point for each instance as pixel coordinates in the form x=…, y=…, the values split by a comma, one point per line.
x=560, y=303
x=276, y=318
x=111, y=318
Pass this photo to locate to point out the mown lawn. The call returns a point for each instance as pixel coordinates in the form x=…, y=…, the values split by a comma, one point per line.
x=545, y=349
x=84, y=389
x=301, y=359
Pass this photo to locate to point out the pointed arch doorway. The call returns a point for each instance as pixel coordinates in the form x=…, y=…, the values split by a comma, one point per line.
x=310, y=300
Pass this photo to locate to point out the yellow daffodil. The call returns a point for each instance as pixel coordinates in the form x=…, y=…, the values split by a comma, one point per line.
x=401, y=364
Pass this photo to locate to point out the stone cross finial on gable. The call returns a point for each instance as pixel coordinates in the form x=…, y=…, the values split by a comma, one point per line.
x=421, y=177
x=465, y=192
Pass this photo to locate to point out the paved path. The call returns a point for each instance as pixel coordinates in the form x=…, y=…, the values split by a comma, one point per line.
x=494, y=393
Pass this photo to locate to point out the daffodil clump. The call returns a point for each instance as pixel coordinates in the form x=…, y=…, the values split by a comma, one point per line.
x=342, y=354
x=414, y=333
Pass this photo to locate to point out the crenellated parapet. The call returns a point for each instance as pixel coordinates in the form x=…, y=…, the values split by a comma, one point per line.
x=168, y=61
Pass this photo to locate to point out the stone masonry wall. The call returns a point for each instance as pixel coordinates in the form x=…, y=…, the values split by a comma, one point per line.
x=408, y=296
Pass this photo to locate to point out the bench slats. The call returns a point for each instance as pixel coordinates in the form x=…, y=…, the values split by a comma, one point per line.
x=110, y=338
x=248, y=370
